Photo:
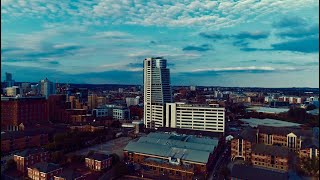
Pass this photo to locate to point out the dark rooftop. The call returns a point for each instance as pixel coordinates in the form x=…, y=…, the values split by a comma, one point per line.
x=98, y=156
x=46, y=167
x=253, y=173
x=248, y=134
x=69, y=174
x=19, y=134
x=284, y=130
x=270, y=150
x=28, y=152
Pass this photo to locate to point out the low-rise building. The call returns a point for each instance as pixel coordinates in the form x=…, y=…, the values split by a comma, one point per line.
x=271, y=157
x=30, y=157
x=173, y=155
x=44, y=171
x=121, y=113
x=20, y=140
x=87, y=128
x=98, y=161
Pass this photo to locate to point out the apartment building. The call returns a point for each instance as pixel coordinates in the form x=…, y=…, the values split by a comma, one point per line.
x=270, y=147
x=30, y=157
x=98, y=161
x=22, y=139
x=26, y=110
x=194, y=116
x=44, y=171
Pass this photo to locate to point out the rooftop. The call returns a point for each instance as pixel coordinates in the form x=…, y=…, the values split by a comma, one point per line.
x=45, y=167
x=29, y=152
x=285, y=130
x=249, y=172
x=69, y=174
x=270, y=150
x=254, y=122
x=185, y=147
x=99, y=156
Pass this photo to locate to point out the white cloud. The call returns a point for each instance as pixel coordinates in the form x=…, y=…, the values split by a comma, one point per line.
x=213, y=14
x=248, y=68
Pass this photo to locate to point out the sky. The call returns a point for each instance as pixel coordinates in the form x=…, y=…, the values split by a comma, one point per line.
x=245, y=43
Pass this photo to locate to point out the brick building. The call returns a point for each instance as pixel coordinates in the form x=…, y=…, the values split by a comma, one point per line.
x=270, y=147
x=44, y=171
x=22, y=139
x=30, y=157
x=271, y=157
x=98, y=161
x=87, y=128
x=57, y=107
x=26, y=110
x=172, y=155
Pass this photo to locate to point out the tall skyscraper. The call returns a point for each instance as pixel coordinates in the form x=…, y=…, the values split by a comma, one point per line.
x=47, y=88
x=157, y=91
x=9, y=81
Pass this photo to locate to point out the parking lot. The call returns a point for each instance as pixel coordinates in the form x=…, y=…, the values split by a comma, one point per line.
x=113, y=146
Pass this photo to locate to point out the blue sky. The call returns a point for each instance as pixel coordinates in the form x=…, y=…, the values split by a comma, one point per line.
x=256, y=43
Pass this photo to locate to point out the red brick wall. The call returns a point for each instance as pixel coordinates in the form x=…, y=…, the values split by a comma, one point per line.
x=26, y=111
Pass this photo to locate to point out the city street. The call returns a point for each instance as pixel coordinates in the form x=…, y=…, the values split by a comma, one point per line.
x=221, y=162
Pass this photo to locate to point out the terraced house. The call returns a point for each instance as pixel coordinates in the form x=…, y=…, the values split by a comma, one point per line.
x=172, y=155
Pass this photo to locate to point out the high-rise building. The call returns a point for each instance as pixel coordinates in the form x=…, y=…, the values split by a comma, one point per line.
x=17, y=110
x=9, y=81
x=47, y=88
x=92, y=101
x=157, y=91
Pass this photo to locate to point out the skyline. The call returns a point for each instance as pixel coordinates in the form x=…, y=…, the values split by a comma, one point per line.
x=239, y=43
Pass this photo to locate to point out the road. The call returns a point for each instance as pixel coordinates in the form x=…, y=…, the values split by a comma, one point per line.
x=221, y=162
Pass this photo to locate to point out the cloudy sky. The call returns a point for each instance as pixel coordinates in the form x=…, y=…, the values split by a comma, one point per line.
x=257, y=43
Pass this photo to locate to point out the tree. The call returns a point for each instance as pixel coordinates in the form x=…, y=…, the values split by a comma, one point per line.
x=121, y=169
x=310, y=166
x=90, y=153
x=115, y=158
x=57, y=157
x=311, y=107
x=11, y=164
x=225, y=171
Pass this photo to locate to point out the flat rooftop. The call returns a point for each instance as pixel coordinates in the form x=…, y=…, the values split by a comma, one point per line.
x=267, y=109
x=254, y=122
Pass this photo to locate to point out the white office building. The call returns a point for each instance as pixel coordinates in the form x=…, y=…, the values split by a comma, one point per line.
x=197, y=117
x=157, y=91
x=121, y=114
x=132, y=101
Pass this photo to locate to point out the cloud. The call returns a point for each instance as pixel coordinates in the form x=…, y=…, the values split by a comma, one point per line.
x=300, y=32
x=290, y=22
x=230, y=70
x=213, y=14
x=254, y=35
x=203, y=47
x=112, y=35
x=45, y=55
x=307, y=45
